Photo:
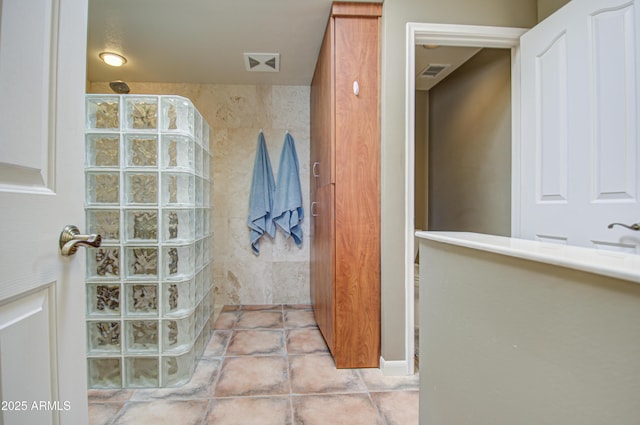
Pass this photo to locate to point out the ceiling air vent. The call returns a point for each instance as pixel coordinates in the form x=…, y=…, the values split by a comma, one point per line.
x=432, y=70
x=262, y=62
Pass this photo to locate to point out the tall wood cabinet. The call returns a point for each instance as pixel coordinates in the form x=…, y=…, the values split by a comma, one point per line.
x=345, y=185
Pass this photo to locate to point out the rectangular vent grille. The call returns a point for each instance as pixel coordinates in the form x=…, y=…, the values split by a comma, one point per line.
x=432, y=70
x=262, y=62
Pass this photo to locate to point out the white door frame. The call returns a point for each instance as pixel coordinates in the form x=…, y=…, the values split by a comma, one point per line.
x=452, y=35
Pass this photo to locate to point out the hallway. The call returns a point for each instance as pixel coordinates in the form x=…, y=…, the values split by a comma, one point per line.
x=266, y=365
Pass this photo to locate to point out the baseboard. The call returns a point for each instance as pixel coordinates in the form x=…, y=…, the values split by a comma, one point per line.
x=393, y=367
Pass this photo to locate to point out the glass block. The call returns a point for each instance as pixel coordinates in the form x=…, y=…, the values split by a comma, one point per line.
x=104, y=222
x=142, y=299
x=141, y=188
x=178, y=262
x=141, y=112
x=102, y=150
x=179, y=297
x=198, y=191
x=142, y=336
x=103, y=188
x=199, y=317
x=206, y=194
x=178, y=225
x=141, y=225
x=104, y=373
x=199, y=223
x=177, y=334
x=103, y=262
x=199, y=254
x=198, y=159
x=206, y=255
x=206, y=220
x=177, y=152
x=141, y=372
x=177, y=370
x=104, y=337
x=197, y=128
x=141, y=150
x=177, y=114
x=103, y=299
x=206, y=159
x=206, y=135
x=142, y=262
x=103, y=112
x=178, y=189
x=199, y=286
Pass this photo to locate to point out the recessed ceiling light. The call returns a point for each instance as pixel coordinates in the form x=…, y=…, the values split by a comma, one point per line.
x=112, y=59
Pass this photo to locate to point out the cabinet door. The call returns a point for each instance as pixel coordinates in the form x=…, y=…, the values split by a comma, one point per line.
x=323, y=112
x=322, y=262
x=357, y=193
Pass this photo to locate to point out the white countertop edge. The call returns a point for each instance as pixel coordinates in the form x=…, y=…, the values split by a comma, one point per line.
x=607, y=263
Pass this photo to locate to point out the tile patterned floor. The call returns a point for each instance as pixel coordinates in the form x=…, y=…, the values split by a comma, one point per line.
x=266, y=365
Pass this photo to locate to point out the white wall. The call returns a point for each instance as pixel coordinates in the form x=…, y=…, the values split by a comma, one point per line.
x=509, y=341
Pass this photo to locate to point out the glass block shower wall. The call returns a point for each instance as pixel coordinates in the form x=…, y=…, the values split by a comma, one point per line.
x=149, y=298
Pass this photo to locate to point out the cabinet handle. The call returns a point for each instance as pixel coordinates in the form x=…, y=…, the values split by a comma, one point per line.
x=356, y=88
x=313, y=213
x=315, y=172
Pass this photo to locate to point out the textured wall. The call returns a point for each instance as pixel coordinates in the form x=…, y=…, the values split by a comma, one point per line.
x=280, y=274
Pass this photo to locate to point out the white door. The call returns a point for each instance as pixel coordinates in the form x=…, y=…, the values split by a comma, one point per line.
x=42, y=336
x=580, y=163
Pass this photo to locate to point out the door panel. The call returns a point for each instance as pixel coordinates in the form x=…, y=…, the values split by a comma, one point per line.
x=42, y=299
x=24, y=329
x=580, y=115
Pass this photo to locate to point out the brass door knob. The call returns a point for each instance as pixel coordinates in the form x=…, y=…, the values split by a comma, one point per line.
x=70, y=239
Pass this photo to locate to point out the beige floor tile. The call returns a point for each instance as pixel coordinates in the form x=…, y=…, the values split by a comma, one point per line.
x=250, y=411
x=256, y=343
x=98, y=396
x=260, y=307
x=376, y=381
x=318, y=374
x=351, y=409
x=248, y=376
x=226, y=320
x=306, y=341
x=297, y=306
x=217, y=344
x=230, y=308
x=398, y=407
x=200, y=386
x=163, y=412
x=103, y=413
x=299, y=319
x=259, y=320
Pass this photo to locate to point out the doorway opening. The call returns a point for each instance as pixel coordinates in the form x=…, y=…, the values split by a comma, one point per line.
x=430, y=35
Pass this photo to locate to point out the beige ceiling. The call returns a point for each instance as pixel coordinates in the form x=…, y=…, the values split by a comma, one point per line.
x=203, y=41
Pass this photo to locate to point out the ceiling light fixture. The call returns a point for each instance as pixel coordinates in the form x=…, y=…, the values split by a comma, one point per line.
x=112, y=59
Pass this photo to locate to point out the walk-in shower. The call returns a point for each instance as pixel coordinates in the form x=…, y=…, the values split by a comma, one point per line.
x=149, y=298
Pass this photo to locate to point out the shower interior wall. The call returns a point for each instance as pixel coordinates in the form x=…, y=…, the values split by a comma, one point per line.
x=236, y=113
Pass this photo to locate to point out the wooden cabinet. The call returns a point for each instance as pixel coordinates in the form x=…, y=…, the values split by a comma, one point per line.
x=345, y=185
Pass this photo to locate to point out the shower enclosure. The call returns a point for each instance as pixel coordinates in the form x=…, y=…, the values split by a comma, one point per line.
x=149, y=297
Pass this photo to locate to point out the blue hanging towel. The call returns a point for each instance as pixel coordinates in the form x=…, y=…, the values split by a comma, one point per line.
x=261, y=197
x=287, y=205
